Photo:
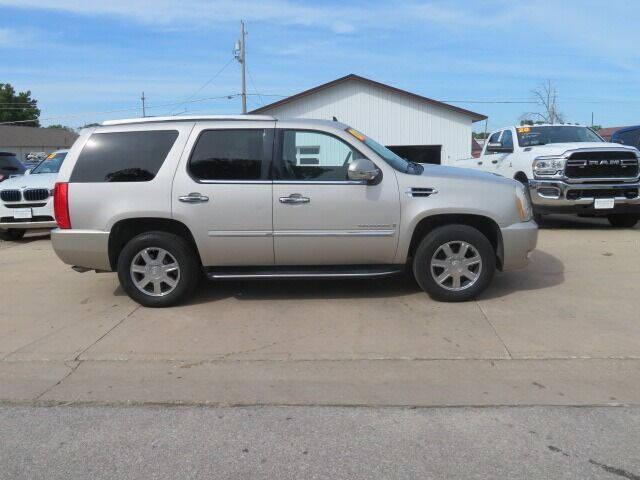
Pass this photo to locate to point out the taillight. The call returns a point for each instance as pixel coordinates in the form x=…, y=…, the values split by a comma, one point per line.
x=61, y=205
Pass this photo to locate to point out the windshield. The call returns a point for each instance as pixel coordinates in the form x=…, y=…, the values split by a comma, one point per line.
x=542, y=135
x=398, y=163
x=51, y=164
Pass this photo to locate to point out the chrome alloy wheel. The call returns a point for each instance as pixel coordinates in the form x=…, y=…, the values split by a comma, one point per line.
x=456, y=265
x=155, y=272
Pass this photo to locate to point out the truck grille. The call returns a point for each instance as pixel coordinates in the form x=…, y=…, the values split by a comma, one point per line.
x=602, y=165
x=36, y=194
x=10, y=195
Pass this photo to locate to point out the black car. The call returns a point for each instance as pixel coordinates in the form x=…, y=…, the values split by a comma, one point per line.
x=10, y=166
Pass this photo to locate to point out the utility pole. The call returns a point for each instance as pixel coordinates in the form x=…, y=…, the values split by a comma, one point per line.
x=240, y=54
x=144, y=113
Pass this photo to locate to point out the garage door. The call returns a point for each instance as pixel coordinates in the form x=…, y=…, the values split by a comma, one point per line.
x=418, y=153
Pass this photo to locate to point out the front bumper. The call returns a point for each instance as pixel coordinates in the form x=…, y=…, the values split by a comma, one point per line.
x=41, y=216
x=558, y=196
x=518, y=241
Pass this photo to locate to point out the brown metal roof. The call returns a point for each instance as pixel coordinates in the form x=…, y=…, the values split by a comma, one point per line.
x=14, y=136
x=475, y=116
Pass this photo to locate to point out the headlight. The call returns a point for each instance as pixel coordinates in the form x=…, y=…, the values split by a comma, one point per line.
x=548, y=165
x=523, y=203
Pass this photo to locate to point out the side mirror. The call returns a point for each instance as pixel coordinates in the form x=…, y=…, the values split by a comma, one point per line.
x=496, y=147
x=363, y=169
x=28, y=171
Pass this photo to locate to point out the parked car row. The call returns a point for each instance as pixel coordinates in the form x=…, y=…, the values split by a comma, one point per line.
x=163, y=200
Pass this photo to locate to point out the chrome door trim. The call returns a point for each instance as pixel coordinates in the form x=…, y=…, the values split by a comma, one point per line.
x=334, y=233
x=234, y=181
x=240, y=233
x=319, y=182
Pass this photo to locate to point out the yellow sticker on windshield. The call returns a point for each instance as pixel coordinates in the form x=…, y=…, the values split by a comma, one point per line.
x=51, y=155
x=524, y=129
x=356, y=134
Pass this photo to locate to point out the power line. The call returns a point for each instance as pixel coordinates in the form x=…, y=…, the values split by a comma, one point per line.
x=205, y=84
x=84, y=114
x=253, y=84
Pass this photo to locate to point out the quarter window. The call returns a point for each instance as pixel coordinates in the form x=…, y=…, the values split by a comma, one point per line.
x=123, y=156
x=313, y=156
x=229, y=155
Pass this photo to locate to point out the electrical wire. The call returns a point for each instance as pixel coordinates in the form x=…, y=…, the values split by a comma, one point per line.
x=207, y=83
x=253, y=84
x=84, y=114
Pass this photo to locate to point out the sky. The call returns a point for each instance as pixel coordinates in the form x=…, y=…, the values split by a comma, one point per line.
x=87, y=61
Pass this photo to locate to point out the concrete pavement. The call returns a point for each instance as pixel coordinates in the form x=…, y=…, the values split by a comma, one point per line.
x=309, y=442
x=564, y=331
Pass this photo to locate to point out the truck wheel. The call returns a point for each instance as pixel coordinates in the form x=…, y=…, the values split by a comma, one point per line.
x=158, y=269
x=12, y=234
x=454, y=263
x=623, y=220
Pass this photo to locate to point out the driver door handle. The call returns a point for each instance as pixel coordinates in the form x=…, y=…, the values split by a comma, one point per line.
x=494, y=161
x=295, y=198
x=193, y=197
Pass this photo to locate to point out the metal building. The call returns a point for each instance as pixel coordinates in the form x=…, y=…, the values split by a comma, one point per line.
x=415, y=127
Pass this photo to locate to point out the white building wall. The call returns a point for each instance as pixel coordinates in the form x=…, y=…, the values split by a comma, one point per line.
x=388, y=117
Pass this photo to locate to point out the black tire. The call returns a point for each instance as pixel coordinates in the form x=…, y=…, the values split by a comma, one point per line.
x=432, y=242
x=623, y=220
x=177, y=247
x=12, y=234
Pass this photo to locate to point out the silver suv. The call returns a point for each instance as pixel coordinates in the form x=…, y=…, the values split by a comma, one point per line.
x=162, y=200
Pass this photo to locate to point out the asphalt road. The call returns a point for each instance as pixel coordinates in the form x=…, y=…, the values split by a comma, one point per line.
x=104, y=442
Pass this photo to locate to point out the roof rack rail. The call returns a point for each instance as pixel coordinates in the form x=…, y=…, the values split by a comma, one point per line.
x=187, y=118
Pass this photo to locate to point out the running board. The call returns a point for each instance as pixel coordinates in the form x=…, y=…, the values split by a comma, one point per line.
x=324, y=271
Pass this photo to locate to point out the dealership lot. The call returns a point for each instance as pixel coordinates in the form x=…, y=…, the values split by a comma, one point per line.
x=564, y=331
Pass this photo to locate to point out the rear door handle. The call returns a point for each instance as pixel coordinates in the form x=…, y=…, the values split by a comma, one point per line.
x=295, y=198
x=494, y=161
x=194, y=197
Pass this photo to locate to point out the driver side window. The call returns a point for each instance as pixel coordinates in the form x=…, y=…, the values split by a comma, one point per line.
x=313, y=156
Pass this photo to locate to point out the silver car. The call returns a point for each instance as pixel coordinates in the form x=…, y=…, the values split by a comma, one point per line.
x=162, y=200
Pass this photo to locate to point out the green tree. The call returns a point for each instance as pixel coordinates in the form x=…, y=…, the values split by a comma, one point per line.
x=18, y=107
x=62, y=127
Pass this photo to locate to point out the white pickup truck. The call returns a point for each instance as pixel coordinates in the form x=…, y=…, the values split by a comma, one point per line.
x=568, y=169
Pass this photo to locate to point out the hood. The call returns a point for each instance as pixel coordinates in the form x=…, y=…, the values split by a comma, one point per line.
x=442, y=171
x=37, y=180
x=560, y=148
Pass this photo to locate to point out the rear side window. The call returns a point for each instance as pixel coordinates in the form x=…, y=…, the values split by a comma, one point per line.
x=123, y=156
x=230, y=155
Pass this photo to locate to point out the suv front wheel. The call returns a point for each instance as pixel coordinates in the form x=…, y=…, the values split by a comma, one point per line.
x=454, y=263
x=158, y=269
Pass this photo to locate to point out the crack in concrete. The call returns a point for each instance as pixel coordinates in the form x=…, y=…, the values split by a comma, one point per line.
x=494, y=329
x=76, y=362
x=615, y=471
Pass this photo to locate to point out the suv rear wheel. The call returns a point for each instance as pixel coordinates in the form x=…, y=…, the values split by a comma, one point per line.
x=628, y=220
x=454, y=263
x=158, y=269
